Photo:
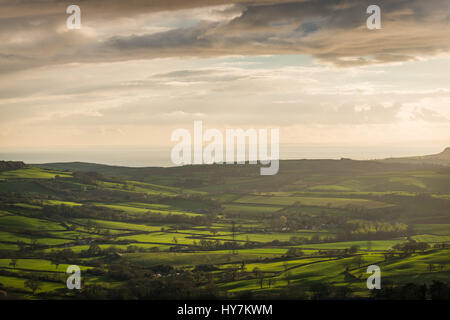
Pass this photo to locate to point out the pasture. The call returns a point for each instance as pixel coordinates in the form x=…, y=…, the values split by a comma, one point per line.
x=311, y=201
x=292, y=229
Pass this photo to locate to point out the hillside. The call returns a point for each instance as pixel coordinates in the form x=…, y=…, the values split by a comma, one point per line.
x=442, y=159
x=293, y=174
x=223, y=231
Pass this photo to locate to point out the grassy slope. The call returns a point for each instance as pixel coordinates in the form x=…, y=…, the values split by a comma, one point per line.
x=315, y=185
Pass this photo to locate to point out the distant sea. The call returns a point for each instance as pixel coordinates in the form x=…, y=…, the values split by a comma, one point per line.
x=160, y=157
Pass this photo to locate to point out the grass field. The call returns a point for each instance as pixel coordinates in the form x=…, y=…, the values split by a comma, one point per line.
x=36, y=265
x=364, y=245
x=160, y=237
x=19, y=283
x=121, y=225
x=142, y=209
x=244, y=208
x=80, y=248
x=415, y=267
x=19, y=223
x=59, y=202
x=24, y=186
x=310, y=201
x=4, y=213
x=280, y=236
x=33, y=173
x=193, y=259
x=434, y=229
x=148, y=221
x=431, y=238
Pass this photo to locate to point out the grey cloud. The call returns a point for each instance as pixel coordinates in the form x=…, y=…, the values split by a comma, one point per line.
x=212, y=75
x=109, y=8
x=173, y=39
x=331, y=31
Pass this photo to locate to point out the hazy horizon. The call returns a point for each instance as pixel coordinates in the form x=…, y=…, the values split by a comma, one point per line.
x=141, y=156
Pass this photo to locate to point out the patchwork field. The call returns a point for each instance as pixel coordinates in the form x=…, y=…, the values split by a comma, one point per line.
x=257, y=238
x=310, y=201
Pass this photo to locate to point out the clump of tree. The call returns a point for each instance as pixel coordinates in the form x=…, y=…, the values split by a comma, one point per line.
x=11, y=165
x=294, y=252
x=359, y=229
x=33, y=284
x=411, y=291
x=411, y=246
x=177, y=285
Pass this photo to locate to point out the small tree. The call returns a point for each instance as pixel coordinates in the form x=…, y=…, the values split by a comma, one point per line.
x=33, y=284
x=359, y=261
x=94, y=250
x=55, y=262
x=34, y=244
x=261, y=279
x=287, y=276
x=353, y=249
x=13, y=263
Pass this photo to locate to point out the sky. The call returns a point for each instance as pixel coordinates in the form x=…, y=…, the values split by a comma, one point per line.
x=137, y=70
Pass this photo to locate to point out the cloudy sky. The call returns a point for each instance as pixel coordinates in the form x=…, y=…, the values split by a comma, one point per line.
x=137, y=70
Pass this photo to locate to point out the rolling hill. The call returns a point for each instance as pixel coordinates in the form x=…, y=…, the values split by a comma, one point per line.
x=442, y=159
x=317, y=222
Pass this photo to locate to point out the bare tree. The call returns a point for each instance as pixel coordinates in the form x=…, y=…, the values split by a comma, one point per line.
x=13, y=263
x=33, y=284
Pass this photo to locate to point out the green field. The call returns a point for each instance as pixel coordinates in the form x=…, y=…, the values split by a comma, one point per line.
x=142, y=209
x=18, y=223
x=19, y=283
x=243, y=236
x=310, y=201
x=244, y=208
x=32, y=173
x=434, y=229
x=363, y=245
x=36, y=265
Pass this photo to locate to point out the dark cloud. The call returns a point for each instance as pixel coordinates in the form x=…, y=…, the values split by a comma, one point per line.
x=173, y=39
x=109, y=8
x=332, y=31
